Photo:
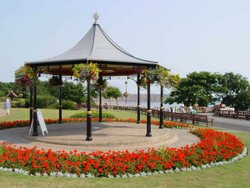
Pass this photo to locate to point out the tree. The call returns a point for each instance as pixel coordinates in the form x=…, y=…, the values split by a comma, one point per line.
x=74, y=92
x=112, y=92
x=235, y=91
x=4, y=88
x=197, y=87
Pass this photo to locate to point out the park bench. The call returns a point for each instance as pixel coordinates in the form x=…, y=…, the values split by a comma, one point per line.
x=201, y=118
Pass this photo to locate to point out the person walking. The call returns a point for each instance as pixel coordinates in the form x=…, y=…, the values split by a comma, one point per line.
x=7, y=106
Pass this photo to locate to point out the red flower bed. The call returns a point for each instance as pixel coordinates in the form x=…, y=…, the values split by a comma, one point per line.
x=213, y=146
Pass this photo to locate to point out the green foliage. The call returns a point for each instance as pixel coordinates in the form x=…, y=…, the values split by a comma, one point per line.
x=205, y=88
x=2, y=99
x=4, y=88
x=74, y=92
x=197, y=87
x=112, y=92
x=43, y=101
x=19, y=103
x=94, y=115
x=55, y=81
x=67, y=104
x=235, y=91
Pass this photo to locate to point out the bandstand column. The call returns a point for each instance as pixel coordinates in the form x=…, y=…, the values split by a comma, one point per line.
x=138, y=100
x=60, y=100
x=149, y=111
x=89, y=129
x=100, y=100
x=161, y=109
x=35, y=129
x=31, y=103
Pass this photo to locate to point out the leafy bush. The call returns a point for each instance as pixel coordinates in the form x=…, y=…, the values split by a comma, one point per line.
x=53, y=106
x=67, y=104
x=94, y=115
x=20, y=103
x=14, y=104
x=44, y=101
x=3, y=99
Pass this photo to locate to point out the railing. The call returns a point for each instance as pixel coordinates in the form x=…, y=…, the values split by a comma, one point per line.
x=233, y=114
x=182, y=117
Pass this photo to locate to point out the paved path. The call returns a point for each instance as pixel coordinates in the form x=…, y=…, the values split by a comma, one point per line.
x=106, y=136
x=230, y=123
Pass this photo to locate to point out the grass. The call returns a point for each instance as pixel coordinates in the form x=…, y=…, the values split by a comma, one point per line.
x=231, y=175
x=23, y=114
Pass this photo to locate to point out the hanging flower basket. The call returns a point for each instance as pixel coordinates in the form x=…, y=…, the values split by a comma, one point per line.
x=147, y=76
x=25, y=76
x=160, y=76
x=142, y=81
x=86, y=71
x=55, y=81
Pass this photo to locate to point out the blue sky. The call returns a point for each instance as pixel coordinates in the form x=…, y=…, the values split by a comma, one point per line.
x=184, y=36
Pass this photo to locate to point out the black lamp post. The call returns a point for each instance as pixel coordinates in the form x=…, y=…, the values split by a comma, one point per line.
x=100, y=98
x=31, y=103
x=126, y=93
x=149, y=111
x=89, y=128
x=138, y=97
x=161, y=109
x=60, y=100
x=35, y=128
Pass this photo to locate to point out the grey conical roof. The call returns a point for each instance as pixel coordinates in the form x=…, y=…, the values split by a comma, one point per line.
x=97, y=46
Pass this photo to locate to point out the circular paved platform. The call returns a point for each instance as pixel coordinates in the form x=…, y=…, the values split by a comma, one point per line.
x=106, y=136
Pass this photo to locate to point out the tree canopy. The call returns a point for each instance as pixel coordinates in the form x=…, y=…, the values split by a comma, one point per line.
x=206, y=88
x=112, y=92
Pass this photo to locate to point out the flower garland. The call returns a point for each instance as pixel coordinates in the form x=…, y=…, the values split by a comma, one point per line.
x=25, y=75
x=213, y=148
x=85, y=71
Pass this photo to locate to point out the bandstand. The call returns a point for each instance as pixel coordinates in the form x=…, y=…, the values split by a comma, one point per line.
x=96, y=46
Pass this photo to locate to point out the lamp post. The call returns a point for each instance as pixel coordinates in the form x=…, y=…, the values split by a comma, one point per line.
x=126, y=93
x=138, y=97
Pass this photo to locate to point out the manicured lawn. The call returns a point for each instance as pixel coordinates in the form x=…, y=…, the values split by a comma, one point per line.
x=23, y=114
x=231, y=175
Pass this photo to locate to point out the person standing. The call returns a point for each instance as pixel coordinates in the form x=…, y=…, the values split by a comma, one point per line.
x=182, y=108
x=7, y=106
x=190, y=109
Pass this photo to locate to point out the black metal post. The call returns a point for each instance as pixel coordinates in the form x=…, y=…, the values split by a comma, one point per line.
x=35, y=129
x=161, y=110
x=138, y=100
x=89, y=131
x=100, y=100
x=60, y=100
x=149, y=134
x=31, y=103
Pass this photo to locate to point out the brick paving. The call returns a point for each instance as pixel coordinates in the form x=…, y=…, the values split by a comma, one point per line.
x=106, y=136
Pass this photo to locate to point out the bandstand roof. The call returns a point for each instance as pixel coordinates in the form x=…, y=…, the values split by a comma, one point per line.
x=96, y=46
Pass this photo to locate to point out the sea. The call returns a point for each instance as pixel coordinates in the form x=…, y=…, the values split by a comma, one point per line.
x=153, y=104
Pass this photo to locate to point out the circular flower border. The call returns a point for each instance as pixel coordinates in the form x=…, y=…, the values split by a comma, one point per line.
x=214, y=148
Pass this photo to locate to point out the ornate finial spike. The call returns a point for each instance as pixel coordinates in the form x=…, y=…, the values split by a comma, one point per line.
x=96, y=17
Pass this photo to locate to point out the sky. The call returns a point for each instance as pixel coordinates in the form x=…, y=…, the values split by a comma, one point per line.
x=184, y=36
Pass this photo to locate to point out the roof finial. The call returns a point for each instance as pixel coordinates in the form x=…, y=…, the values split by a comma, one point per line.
x=96, y=16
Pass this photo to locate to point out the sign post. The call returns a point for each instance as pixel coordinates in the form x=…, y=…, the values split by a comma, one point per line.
x=42, y=124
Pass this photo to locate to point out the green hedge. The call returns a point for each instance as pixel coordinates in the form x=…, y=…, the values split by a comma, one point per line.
x=18, y=103
x=44, y=101
x=94, y=114
x=67, y=104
